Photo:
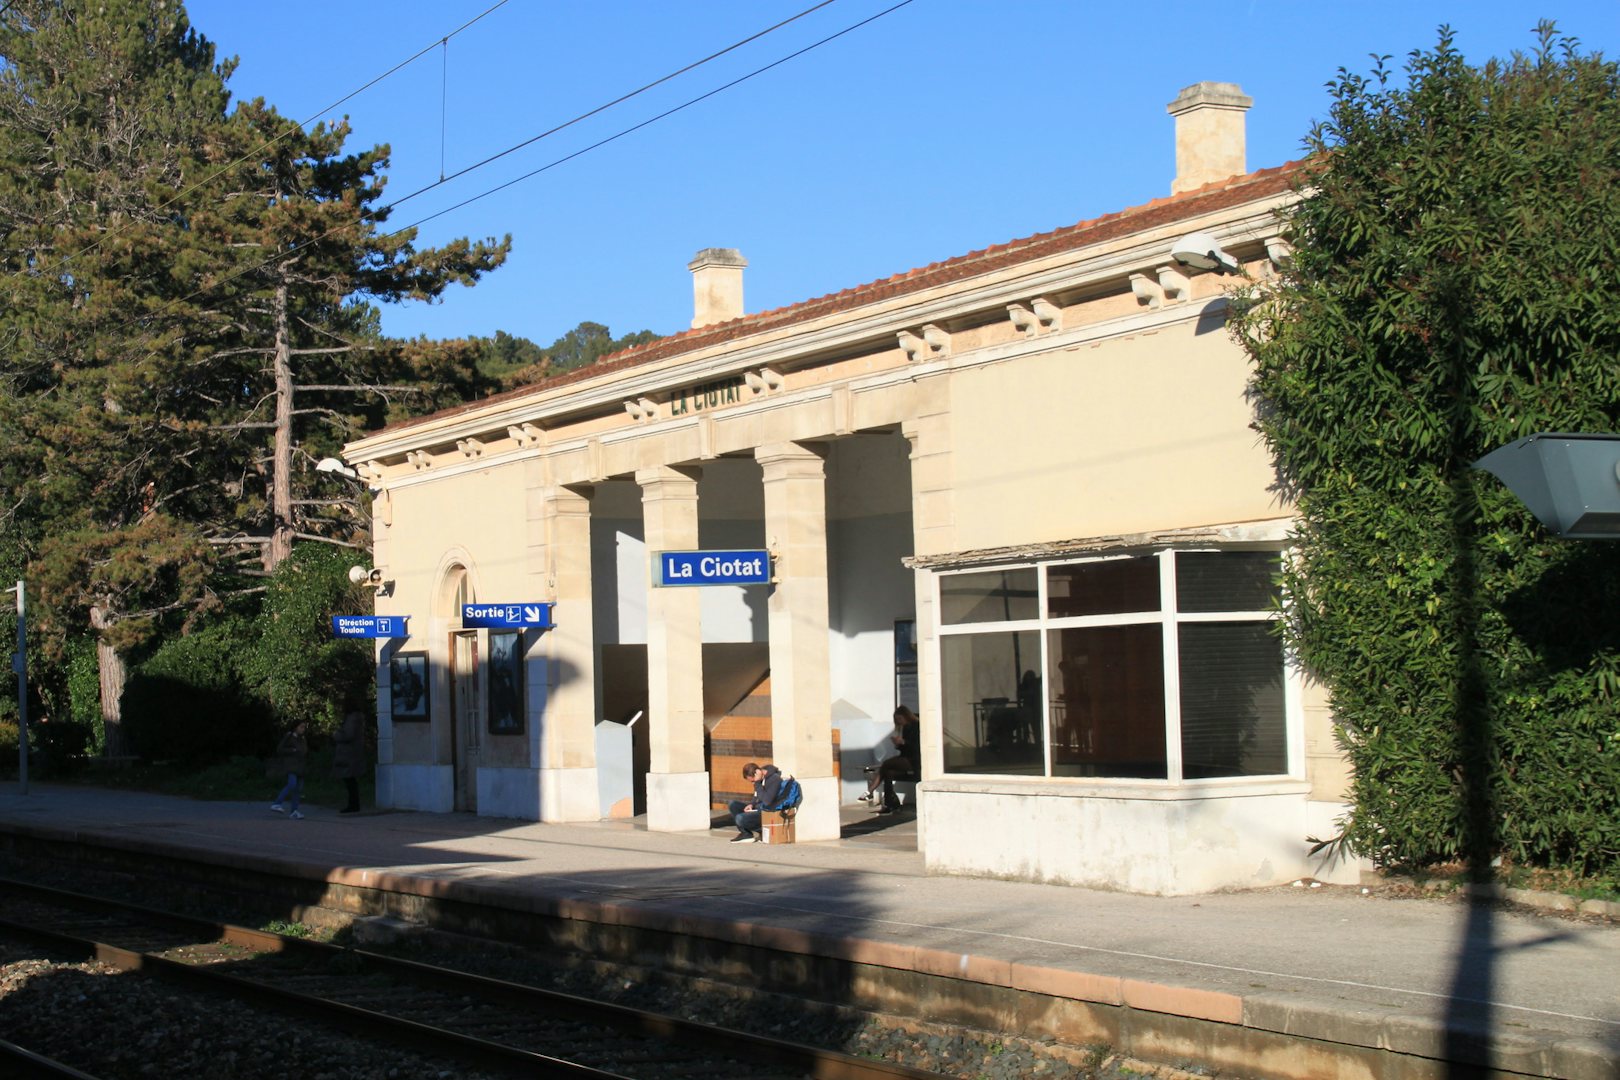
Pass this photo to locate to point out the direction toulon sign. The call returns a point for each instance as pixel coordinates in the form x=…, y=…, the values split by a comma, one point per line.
x=369, y=626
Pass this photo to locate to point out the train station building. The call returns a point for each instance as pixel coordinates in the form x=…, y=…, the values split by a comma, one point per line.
x=1018, y=491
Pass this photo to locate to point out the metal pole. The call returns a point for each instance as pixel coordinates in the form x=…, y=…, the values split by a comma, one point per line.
x=19, y=664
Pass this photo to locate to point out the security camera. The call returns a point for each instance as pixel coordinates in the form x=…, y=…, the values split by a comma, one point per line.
x=1200, y=251
x=360, y=575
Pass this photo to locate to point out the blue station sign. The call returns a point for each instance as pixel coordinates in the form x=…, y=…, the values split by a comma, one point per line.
x=506, y=616
x=369, y=626
x=713, y=568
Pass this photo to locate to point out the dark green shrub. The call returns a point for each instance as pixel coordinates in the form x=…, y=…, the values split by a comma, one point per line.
x=1449, y=293
x=295, y=664
x=62, y=747
x=187, y=703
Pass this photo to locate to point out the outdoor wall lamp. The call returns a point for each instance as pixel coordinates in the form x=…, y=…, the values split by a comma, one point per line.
x=1200, y=251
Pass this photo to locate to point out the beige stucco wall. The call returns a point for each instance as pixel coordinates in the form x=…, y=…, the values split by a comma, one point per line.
x=476, y=519
x=1130, y=435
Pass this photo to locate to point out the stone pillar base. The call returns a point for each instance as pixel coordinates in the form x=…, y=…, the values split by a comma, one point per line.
x=569, y=795
x=678, y=802
x=818, y=813
x=428, y=788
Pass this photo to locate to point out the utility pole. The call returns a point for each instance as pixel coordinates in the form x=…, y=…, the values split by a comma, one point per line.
x=19, y=664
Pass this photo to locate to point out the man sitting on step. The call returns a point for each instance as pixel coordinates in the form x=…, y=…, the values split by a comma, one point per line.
x=767, y=781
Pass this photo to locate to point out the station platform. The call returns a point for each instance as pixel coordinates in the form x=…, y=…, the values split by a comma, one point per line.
x=1335, y=968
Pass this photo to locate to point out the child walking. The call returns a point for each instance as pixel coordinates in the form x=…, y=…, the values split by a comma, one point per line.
x=290, y=757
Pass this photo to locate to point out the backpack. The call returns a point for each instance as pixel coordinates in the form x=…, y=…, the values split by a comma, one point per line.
x=788, y=797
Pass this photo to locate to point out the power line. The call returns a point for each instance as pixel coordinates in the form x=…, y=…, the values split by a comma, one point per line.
x=618, y=101
x=637, y=127
x=568, y=157
x=259, y=150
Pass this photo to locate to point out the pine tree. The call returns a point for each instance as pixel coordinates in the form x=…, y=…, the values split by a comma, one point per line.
x=187, y=313
x=300, y=250
x=101, y=110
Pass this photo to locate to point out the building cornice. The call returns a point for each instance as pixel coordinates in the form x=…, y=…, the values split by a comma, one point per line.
x=1090, y=261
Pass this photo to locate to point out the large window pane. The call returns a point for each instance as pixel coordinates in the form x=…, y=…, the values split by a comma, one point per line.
x=996, y=596
x=991, y=696
x=1110, y=587
x=1108, y=702
x=1226, y=580
x=1232, y=718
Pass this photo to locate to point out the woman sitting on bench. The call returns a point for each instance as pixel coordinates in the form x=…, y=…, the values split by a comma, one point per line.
x=905, y=763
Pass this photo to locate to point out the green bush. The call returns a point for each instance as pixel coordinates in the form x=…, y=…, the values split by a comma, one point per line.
x=1449, y=293
x=83, y=683
x=295, y=664
x=62, y=746
x=187, y=703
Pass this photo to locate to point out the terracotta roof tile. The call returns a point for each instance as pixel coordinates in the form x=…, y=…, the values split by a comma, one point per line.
x=1217, y=195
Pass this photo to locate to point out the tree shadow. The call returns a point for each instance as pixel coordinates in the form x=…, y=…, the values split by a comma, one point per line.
x=1469, y=1013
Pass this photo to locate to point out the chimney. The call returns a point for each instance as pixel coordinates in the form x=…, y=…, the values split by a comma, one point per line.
x=1209, y=134
x=717, y=286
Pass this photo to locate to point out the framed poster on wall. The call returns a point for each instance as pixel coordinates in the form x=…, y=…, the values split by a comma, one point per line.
x=408, y=680
x=506, y=683
x=905, y=664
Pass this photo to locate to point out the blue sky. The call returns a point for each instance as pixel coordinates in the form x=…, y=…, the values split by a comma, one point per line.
x=937, y=129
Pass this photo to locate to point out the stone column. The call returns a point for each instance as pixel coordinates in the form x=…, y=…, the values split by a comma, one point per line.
x=933, y=530
x=795, y=479
x=566, y=742
x=677, y=782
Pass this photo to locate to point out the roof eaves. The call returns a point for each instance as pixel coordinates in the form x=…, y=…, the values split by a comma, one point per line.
x=1216, y=195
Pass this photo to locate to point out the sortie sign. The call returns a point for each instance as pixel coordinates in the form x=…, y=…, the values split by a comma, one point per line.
x=504, y=616
x=713, y=568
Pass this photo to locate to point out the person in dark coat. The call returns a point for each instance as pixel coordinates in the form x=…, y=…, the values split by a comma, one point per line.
x=291, y=753
x=349, y=756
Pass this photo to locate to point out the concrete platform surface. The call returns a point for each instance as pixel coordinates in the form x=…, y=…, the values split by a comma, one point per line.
x=1328, y=962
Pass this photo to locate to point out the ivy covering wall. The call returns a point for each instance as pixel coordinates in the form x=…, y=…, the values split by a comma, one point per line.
x=1453, y=288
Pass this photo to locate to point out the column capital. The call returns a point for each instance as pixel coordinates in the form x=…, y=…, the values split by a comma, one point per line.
x=568, y=499
x=668, y=481
x=788, y=459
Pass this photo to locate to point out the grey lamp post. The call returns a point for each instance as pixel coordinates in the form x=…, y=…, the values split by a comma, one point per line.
x=1570, y=482
x=19, y=664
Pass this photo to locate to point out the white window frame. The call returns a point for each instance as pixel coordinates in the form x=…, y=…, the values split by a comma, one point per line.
x=1169, y=618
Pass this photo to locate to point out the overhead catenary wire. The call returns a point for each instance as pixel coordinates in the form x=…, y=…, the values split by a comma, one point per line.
x=66, y=260
x=622, y=98
x=633, y=128
x=567, y=157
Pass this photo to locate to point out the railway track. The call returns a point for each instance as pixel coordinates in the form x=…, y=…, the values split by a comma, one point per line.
x=493, y=1026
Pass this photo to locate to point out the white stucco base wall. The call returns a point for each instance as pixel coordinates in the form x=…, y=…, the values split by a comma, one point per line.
x=678, y=802
x=570, y=795
x=817, y=817
x=510, y=793
x=430, y=788
x=1135, y=838
x=1324, y=820
x=538, y=794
